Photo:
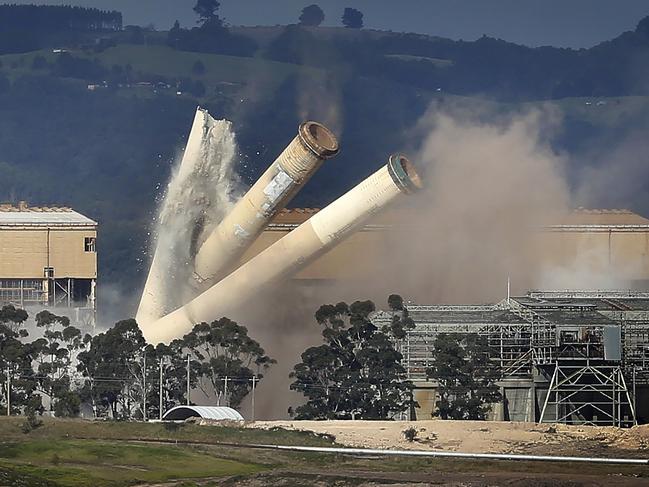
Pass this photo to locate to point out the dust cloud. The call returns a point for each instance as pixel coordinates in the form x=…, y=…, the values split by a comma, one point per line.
x=202, y=189
x=492, y=183
x=489, y=186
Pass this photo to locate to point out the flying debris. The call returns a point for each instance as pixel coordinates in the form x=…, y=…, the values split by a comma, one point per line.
x=216, y=287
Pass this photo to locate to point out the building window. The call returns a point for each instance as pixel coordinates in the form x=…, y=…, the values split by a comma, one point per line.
x=89, y=244
x=48, y=272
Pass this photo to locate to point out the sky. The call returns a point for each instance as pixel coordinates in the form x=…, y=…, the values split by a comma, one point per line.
x=562, y=23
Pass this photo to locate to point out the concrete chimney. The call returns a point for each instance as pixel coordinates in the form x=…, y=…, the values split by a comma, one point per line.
x=157, y=293
x=218, y=255
x=293, y=252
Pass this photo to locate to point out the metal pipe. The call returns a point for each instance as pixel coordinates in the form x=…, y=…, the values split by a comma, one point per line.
x=219, y=254
x=292, y=252
x=488, y=456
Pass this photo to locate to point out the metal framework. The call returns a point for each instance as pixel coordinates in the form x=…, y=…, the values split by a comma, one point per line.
x=588, y=394
x=557, y=342
x=54, y=293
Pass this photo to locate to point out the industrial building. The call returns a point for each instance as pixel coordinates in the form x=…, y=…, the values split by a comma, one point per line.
x=573, y=357
x=48, y=260
x=611, y=241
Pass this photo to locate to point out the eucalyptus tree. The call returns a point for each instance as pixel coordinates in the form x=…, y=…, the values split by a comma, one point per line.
x=16, y=373
x=466, y=376
x=356, y=372
x=172, y=359
x=14, y=319
x=227, y=359
x=55, y=356
x=113, y=371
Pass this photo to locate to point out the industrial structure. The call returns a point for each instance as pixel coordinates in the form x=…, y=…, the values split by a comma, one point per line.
x=614, y=242
x=215, y=413
x=48, y=259
x=573, y=357
x=294, y=251
x=220, y=285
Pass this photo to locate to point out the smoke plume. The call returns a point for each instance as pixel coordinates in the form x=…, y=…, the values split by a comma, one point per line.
x=489, y=186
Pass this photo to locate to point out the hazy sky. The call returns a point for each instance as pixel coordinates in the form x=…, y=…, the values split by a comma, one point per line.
x=573, y=23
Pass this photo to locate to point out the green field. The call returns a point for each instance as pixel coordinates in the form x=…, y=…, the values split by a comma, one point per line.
x=100, y=463
x=106, y=454
x=222, y=73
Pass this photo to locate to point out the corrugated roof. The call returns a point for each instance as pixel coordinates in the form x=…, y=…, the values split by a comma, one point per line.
x=461, y=317
x=577, y=217
x=296, y=216
x=41, y=216
x=615, y=302
x=206, y=412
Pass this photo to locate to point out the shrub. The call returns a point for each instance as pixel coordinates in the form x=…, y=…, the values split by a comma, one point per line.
x=410, y=434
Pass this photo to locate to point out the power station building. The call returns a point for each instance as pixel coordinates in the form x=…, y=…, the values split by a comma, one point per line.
x=573, y=357
x=611, y=241
x=48, y=259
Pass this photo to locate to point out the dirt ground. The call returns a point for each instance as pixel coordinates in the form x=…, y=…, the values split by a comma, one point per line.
x=481, y=436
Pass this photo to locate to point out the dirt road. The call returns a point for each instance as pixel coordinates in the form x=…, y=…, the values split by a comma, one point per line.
x=481, y=436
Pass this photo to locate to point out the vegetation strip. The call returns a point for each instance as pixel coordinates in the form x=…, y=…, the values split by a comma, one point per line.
x=417, y=453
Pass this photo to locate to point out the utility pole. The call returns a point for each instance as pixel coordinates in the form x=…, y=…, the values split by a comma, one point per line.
x=254, y=381
x=160, y=408
x=8, y=391
x=144, y=387
x=225, y=390
x=188, y=390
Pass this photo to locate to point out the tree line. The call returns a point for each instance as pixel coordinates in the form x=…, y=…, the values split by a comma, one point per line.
x=116, y=372
x=29, y=27
x=359, y=373
x=58, y=18
x=356, y=373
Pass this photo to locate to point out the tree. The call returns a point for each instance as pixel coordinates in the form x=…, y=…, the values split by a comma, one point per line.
x=401, y=321
x=109, y=366
x=68, y=405
x=312, y=16
x=198, y=68
x=174, y=384
x=174, y=35
x=353, y=18
x=55, y=356
x=15, y=358
x=207, y=11
x=228, y=359
x=356, y=373
x=395, y=302
x=13, y=318
x=466, y=376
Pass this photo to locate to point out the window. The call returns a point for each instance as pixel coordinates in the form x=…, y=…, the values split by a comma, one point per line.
x=89, y=244
x=48, y=272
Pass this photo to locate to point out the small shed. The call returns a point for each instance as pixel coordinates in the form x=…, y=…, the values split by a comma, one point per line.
x=180, y=413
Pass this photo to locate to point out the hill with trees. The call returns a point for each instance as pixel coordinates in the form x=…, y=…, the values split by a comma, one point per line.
x=94, y=116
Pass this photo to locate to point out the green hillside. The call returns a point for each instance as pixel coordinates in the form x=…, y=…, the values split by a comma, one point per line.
x=225, y=73
x=108, y=151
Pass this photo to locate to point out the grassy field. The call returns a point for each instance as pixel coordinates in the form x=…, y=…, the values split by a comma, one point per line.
x=85, y=453
x=101, y=463
x=222, y=73
x=106, y=454
x=62, y=429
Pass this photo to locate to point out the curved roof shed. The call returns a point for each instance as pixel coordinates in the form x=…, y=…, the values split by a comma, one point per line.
x=180, y=413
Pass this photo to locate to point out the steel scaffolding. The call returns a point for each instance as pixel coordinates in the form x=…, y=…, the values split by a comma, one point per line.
x=583, y=353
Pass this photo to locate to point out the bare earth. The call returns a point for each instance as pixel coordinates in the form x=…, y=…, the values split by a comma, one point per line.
x=481, y=436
